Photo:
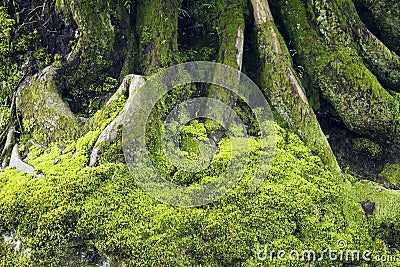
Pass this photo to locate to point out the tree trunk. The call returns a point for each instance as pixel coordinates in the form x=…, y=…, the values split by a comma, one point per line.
x=230, y=23
x=282, y=86
x=383, y=19
x=157, y=28
x=318, y=31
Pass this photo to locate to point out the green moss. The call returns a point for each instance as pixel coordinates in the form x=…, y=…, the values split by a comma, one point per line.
x=157, y=27
x=14, y=50
x=229, y=17
x=377, y=57
x=42, y=57
x=91, y=61
x=331, y=61
x=383, y=18
x=385, y=218
x=300, y=206
x=191, y=135
x=46, y=118
x=113, y=153
x=365, y=145
x=282, y=86
x=391, y=172
x=102, y=118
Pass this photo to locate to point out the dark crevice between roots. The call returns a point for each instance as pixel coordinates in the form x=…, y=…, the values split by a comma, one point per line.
x=357, y=155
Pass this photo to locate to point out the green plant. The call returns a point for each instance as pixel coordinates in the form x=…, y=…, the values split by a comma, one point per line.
x=42, y=57
x=58, y=60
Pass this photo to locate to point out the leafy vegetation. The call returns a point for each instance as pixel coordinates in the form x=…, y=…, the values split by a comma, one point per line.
x=9, y=69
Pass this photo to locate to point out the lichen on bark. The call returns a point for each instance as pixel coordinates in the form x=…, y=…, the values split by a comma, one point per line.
x=383, y=18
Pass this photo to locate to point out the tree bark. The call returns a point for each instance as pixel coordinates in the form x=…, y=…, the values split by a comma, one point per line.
x=231, y=27
x=383, y=18
x=282, y=86
x=157, y=28
x=333, y=65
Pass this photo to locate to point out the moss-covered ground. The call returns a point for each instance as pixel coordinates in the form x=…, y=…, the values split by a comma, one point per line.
x=100, y=210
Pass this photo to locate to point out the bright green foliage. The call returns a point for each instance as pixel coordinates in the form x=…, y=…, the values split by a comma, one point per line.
x=300, y=205
x=367, y=146
x=391, y=172
x=9, y=72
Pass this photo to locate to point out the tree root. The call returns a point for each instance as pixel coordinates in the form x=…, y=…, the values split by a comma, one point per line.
x=383, y=18
x=111, y=132
x=231, y=50
x=19, y=165
x=383, y=63
x=283, y=87
x=39, y=102
x=330, y=58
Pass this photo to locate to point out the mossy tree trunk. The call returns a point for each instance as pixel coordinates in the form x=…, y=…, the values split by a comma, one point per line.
x=383, y=19
x=91, y=54
x=321, y=35
x=230, y=27
x=282, y=86
x=332, y=56
x=157, y=27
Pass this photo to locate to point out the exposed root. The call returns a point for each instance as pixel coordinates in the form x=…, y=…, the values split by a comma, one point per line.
x=382, y=62
x=328, y=51
x=19, y=165
x=283, y=87
x=9, y=141
x=231, y=50
x=39, y=101
x=111, y=132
